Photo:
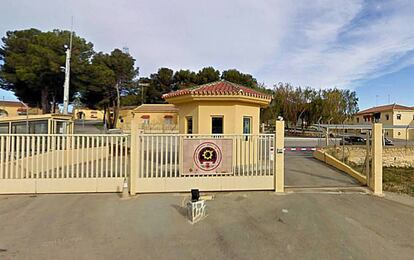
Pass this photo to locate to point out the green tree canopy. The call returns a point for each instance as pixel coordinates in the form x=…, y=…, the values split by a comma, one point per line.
x=109, y=76
x=165, y=80
x=160, y=83
x=185, y=79
x=33, y=61
x=309, y=105
x=207, y=75
x=238, y=77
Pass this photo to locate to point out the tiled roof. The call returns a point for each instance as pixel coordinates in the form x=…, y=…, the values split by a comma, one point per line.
x=384, y=108
x=218, y=88
x=5, y=103
x=156, y=108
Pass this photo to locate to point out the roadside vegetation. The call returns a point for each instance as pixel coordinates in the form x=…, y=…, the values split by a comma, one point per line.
x=399, y=180
x=394, y=179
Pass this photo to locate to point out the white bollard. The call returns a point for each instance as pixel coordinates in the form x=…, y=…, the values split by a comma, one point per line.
x=125, y=191
x=196, y=210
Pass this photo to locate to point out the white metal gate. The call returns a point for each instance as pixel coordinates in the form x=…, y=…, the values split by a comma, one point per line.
x=160, y=160
x=63, y=163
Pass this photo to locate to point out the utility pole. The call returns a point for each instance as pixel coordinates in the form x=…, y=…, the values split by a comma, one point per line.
x=67, y=74
x=142, y=85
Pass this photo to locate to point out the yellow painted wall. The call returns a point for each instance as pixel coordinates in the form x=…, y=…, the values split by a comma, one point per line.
x=185, y=110
x=157, y=121
x=12, y=111
x=407, y=118
x=330, y=160
x=124, y=119
x=90, y=114
x=232, y=112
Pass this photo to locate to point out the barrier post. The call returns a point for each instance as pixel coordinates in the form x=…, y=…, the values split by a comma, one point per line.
x=375, y=180
x=278, y=160
x=135, y=150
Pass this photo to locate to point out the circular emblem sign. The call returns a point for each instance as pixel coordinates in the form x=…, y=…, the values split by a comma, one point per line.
x=207, y=156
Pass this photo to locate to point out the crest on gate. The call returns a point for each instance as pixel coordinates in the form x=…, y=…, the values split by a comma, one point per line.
x=207, y=156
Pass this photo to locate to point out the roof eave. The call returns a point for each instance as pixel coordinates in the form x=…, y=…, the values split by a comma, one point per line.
x=263, y=102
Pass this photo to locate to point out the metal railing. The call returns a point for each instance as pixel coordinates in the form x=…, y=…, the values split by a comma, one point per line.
x=162, y=155
x=56, y=156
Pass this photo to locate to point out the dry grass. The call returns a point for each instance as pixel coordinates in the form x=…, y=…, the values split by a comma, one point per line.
x=399, y=180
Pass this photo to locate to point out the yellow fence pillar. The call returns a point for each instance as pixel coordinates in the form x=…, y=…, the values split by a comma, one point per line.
x=135, y=155
x=278, y=160
x=375, y=178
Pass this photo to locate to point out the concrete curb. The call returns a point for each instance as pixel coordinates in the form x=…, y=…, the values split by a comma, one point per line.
x=330, y=160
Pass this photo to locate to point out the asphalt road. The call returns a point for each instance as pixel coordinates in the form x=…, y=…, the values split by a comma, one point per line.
x=302, y=170
x=304, y=142
x=87, y=127
x=251, y=225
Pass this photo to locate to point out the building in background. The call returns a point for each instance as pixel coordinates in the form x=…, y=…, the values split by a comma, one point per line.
x=389, y=115
x=219, y=107
x=125, y=117
x=37, y=124
x=16, y=108
x=88, y=114
x=156, y=118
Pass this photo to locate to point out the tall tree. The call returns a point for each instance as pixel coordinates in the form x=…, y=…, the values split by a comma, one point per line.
x=237, y=77
x=33, y=61
x=310, y=105
x=160, y=83
x=110, y=75
x=207, y=75
x=185, y=79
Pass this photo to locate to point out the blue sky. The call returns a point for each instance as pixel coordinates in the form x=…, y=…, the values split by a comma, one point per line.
x=367, y=46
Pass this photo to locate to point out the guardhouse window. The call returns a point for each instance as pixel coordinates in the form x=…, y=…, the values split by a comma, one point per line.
x=247, y=125
x=4, y=128
x=357, y=119
x=387, y=117
x=189, y=125
x=398, y=116
x=168, y=120
x=145, y=119
x=217, y=125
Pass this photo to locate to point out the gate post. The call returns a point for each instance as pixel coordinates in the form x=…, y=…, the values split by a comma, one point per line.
x=278, y=157
x=135, y=141
x=375, y=180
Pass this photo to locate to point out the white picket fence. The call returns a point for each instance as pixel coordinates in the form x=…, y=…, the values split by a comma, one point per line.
x=63, y=163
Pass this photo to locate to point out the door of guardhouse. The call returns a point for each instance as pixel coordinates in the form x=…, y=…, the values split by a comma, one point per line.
x=181, y=162
x=302, y=170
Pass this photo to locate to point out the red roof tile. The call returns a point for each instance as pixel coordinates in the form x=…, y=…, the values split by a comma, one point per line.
x=218, y=88
x=384, y=108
